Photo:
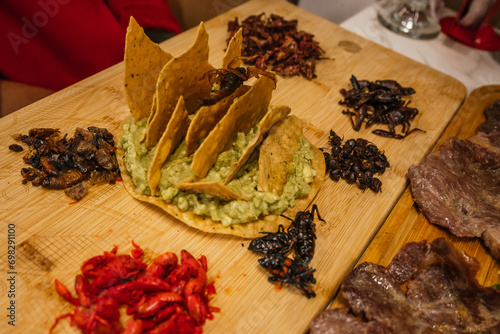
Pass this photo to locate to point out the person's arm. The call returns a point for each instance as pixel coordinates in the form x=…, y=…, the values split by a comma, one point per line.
x=475, y=13
x=15, y=95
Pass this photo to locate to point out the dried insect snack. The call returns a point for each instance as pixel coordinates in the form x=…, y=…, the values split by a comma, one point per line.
x=379, y=102
x=72, y=164
x=355, y=161
x=300, y=237
x=228, y=80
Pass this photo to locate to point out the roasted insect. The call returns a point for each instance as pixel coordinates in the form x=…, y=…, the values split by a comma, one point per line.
x=16, y=148
x=300, y=237
x=379, y=102
x=71, y=164
x=230, y=79
x=280, y=242
x=304, y=231
x=166, y=297
x=290, y=271
x=355, y=161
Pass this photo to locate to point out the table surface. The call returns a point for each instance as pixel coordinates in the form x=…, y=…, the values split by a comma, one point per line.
x=474, y=68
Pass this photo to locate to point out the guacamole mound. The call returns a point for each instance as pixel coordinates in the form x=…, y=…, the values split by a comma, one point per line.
x=177, y=168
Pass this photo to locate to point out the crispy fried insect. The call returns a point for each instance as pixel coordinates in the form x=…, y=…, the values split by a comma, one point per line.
x=301, y=237
x=59, y=162
x=355, y=161
x=280, y=242
x=379, y=102
x=294, y=271
x=231, y=78
x=16, y=148
x=43, y=133
x=304, y=231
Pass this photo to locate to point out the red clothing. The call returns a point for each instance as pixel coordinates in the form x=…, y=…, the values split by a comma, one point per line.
x=55, y=43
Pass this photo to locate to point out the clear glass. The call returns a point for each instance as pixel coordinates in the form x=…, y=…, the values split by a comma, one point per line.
x=412, y=18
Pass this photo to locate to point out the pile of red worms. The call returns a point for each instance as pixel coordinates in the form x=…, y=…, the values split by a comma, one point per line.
x=164, y=297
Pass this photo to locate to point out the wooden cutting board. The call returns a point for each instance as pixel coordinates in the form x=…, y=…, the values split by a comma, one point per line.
x=54, y=237
x=406, y=224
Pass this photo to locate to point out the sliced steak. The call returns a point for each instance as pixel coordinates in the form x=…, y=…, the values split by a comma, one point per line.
x=489, y=141
x=458, y=187
x=442, y=295
x=338, y=320
x=492, y=114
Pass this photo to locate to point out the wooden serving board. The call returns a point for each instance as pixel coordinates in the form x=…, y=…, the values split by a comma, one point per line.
x=53, y=237
x=406, y=224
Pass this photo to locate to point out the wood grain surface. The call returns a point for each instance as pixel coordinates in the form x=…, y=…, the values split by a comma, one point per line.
x=54, y=237
x=406, y=223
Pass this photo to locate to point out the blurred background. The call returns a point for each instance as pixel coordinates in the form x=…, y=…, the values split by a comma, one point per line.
x=191, y=12
x=69, y=58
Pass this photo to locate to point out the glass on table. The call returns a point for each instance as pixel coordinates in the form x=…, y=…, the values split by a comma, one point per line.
x=412, y=18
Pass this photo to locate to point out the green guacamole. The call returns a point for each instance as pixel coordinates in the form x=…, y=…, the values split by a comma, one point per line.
x=177, y=168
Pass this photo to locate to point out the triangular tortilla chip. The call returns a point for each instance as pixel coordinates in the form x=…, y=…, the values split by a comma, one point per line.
x=144, y=60
x=273, y=115
x=180, y=76
x=151, y=115
x=213, y=188
x=276, y=154
x=233, y=52
x=242, y=116
x=175, y=131
x=207, y=117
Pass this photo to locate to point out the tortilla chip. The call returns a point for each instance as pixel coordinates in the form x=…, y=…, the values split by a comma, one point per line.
x=242, y=116
x=144, y=60
x=175, y=131
x=213, y=188
x=233, y=51
x=250, y=230
x=180, y=76
x=273, y=115
x=151, y=115
x=207, y=117
x=276, y=154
